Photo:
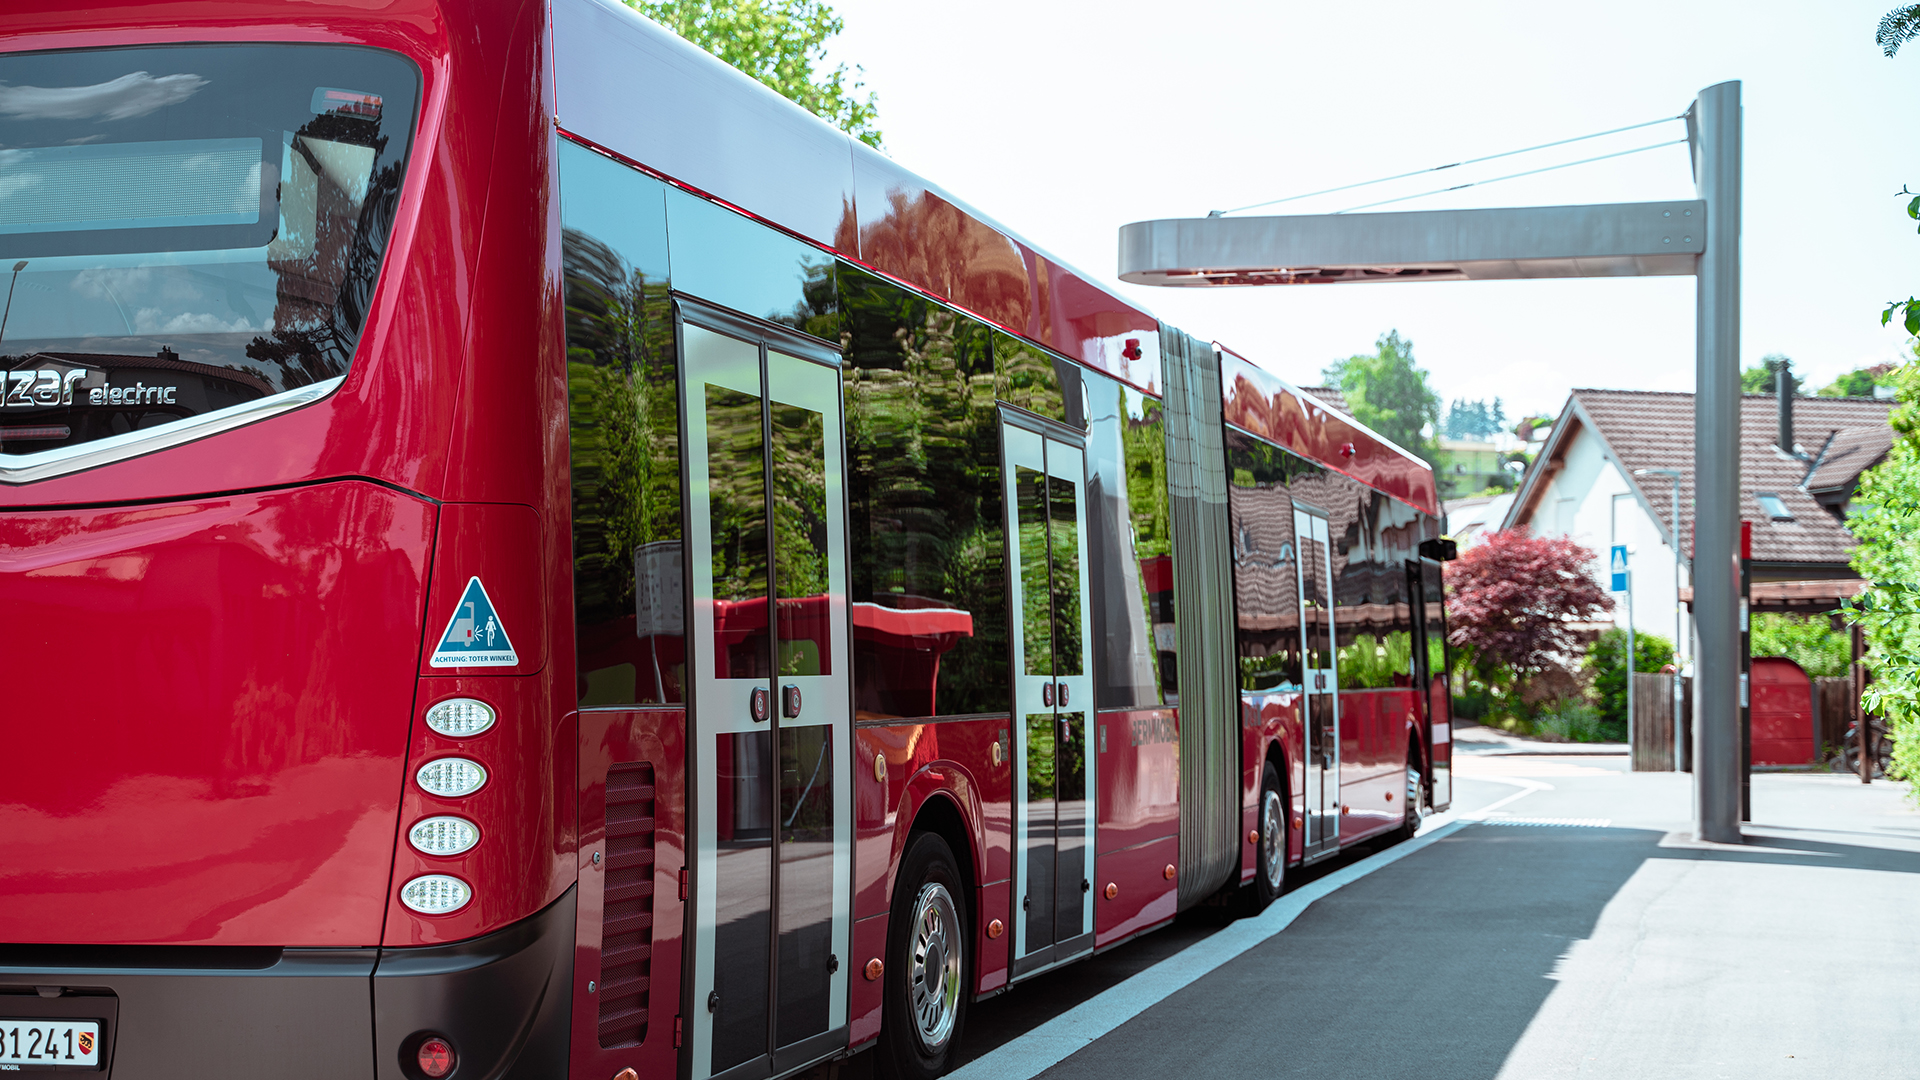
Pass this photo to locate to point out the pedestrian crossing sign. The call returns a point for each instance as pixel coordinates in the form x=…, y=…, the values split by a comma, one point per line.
x=1619, y=568
x=474, y=636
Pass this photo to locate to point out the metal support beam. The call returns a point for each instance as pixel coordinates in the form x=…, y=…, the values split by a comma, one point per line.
x=1607, y=240
x=1614, y=240
x=1714, y=128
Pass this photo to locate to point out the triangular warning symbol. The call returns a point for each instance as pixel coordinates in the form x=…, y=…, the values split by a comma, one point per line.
x=475, y=636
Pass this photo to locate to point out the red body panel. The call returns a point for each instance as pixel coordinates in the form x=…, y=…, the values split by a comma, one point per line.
x=1137, y=834
x=219, y=715
x=1266, y=405
x=1782, y=712
x=609, y=737
x=1144, y=896
x=924, y=762
x=1375, y=727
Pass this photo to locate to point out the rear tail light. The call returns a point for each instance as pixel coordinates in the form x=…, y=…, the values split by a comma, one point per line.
x=435, y=1057
x=451, y=777
x=443, y=835
x=460, y=717
x=435, y=894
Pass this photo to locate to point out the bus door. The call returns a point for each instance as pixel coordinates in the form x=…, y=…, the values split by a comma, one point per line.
x=1436, y=698
x=768, y=653
x=1053, y=693
x=1320, y=680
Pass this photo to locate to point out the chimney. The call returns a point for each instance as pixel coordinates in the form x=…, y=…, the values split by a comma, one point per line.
x=1783, y=386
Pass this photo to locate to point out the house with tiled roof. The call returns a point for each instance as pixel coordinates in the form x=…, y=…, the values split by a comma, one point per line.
x=1598, y=480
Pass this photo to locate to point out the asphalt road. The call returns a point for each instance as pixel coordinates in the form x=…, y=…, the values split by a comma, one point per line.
x=1577, y=931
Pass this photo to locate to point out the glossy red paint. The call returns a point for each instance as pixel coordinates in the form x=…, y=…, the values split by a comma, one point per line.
x=421, y=363
x=1263, y=404
x=1272, y=723
x=864, y=1004
x=1138, y=773
x=609, y=737
x=1375, y=728
x=218, y=713
x=518, y=865
x=1145, y=897
x=953, y=761
x=1782, y=711
x=501, y=545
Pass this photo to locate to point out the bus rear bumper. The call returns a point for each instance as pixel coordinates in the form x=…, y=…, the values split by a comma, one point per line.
x=502, y=1001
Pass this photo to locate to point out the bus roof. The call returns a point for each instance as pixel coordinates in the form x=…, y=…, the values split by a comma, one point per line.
x=645, y=94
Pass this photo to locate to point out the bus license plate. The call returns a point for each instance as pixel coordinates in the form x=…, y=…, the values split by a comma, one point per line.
x=50, y=1042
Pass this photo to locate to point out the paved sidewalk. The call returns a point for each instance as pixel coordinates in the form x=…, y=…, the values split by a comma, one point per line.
x=1480, y=739
x=1528, y=947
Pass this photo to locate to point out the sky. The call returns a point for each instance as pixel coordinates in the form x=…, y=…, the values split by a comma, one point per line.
x=1064, y=121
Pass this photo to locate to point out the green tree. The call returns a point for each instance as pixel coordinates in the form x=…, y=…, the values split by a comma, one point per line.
x=1897, y=27
x=1885, y=517
x=1759, y=379
x=1810, y=642
x=781, y=43
x=1607, y=661
x=1859, y=382
x=1388, y=392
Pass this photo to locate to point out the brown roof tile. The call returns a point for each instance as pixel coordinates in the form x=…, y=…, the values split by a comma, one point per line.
x=1654, y=430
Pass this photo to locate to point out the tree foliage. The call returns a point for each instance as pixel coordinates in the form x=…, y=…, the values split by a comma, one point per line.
x=1897, y=27
x=1759, y=379
x=1388, y=392
x=1859, y=382
x=781, y=43
x=1885, y=517
x=1475, y=419
x=1515, y=599
x=1607, y=663
x=1808, y=641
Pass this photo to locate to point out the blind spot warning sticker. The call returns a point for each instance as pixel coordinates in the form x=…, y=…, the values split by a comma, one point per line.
x=475, y=636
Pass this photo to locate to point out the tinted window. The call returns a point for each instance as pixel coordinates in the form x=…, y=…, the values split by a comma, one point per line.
x=1127, y=531
x=1032, y=378
x=738, y=263
x=624, y=425
x=928, y=528
x=185, y=230
x=1266, y=561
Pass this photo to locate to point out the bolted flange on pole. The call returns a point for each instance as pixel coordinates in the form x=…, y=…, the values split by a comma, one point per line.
x=1714, y=131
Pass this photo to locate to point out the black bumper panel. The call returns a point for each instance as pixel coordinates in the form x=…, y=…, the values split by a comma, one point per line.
x=186, y=1013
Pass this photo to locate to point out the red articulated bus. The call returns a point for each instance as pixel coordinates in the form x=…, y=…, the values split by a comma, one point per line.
x=524, y=554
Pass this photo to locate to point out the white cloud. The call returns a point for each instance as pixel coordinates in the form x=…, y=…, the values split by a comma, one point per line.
x=124, y=98
x=156, y=321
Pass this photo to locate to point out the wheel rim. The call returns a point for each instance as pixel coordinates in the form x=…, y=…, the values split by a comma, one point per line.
x=1273, y=833
x=933, y=976
x=1413, y=795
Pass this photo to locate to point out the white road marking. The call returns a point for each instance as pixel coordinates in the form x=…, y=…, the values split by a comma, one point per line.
x=1045, y=1046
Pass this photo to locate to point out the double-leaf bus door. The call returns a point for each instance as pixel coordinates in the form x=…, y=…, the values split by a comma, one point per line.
x=1054, y=785
x=1320, y=680
x=768, y=651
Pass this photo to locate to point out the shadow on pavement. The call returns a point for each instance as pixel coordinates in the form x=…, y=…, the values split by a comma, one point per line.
x=1430, y=967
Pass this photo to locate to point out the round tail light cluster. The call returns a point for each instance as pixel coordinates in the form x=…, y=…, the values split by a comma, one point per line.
x=445, y=835
x=435, y=1057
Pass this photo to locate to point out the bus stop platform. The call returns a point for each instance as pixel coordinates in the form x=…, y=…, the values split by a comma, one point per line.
x=1559, y=922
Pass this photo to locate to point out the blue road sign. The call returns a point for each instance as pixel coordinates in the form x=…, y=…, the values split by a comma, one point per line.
x=1619, y=562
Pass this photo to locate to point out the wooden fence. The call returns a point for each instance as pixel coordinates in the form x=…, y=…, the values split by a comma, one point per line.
x=1653, y=711
x=1833, y=707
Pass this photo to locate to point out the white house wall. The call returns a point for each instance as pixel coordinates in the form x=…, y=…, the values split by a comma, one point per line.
x=1578, y=502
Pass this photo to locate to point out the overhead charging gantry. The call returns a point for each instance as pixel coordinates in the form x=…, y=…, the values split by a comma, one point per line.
x=1700, y=237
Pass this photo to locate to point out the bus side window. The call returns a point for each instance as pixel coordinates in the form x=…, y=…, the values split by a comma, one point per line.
x=624, y=428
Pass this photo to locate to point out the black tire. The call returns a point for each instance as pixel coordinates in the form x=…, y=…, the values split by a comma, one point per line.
x=1270, y=861
x=920, y=1032
x=1415, y=796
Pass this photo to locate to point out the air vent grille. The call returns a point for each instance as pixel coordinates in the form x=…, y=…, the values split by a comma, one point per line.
x=626, y=913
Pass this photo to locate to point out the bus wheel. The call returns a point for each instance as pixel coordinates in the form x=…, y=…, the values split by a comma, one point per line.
x=1270, y=877
x=1416, y=795
x=924, y=1003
